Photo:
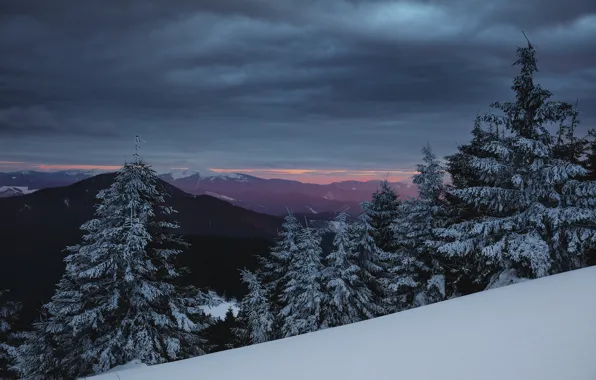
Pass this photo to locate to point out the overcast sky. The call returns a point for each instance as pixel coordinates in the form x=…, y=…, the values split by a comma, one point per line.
x=270, y=86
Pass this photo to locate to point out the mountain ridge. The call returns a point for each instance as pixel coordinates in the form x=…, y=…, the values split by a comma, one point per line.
x=270, y=196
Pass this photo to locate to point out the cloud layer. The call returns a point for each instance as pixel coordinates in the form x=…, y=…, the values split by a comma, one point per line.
x=285, y=84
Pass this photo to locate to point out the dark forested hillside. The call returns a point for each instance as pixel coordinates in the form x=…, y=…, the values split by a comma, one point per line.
x=214, y=262
x=36, y=228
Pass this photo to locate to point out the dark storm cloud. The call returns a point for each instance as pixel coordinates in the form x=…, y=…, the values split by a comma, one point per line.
x=39, y=120
x=294, y=84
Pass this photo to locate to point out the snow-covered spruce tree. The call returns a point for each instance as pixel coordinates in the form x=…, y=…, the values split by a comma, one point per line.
x=538, y=218
x=361, y=234
x=417, y=276
x=382, y=211
x=369, y=257
x=568, y=146
x=119, y=299
x=304, y=295
x=466, y=274
x=590, y=164
x=9, y=311
x=255, y=318
x=590, y=160
x=459, y=165
x=38, y=356
x=274, y=268
x=350, y=299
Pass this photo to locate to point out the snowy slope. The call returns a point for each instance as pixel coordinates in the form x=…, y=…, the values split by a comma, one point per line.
x=220, y=196
x=206, y=175
x=537, y=330
x=219, y=311
x=182, y=173
x=16, y=190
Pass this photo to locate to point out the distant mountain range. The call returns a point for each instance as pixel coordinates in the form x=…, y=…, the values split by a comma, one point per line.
x=27, y=181
x=74, y=204
x=269, y=196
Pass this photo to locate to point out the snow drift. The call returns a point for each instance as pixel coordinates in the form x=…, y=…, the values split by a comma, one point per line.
x=542, y=329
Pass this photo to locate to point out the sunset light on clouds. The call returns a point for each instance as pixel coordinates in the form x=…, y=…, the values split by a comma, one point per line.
x=322, y=91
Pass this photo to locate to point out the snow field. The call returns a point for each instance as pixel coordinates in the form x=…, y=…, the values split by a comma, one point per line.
x=542, y=329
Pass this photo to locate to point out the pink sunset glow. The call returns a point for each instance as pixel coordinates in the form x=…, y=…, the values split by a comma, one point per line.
x=319, y=176
x=323, y=176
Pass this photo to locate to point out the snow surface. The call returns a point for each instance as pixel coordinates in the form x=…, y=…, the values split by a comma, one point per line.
x=220, y=310
x=134, y=364
x=207, y=175
x=22, y=189
x=182, y=173
x=84, y=172
x=238, y=177
x=220, y=196
x=543, y=329
x=329, y=196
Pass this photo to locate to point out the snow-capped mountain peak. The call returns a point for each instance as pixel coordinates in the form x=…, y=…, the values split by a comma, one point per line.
x=8, y=191
x=237, y=177
x=182, y=173
x=207, y=175
x=88, y=173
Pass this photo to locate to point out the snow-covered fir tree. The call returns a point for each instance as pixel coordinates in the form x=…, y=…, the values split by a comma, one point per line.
x=418, y=276
x=568, y=145
x=350, y=299
x=369, y=257
x=459, y=165
x=254, y=317
x=304, y=295
x=538, y=217
x=9, y=311
x=118, y=299
x=382, y=211
x=469, y=273
x=276, y=265
x=274, y=268
x=38, y=356
x=590, y=160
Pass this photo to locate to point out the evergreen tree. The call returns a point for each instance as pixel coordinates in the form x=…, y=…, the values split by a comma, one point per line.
x=470, y=273
x=255, y=318
x=350, y=298
x=119, y=299
x=220, y=334
x=538, y=218
x=382, y=211
x=38, y=357
x=418, y=276
x=304, y=293
x=232, y=322
x=590, y=160
x=369, y=258
x=590, y=164
x=568, y=146
x=274, y=268
x=8, y=337
x=460, y=166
